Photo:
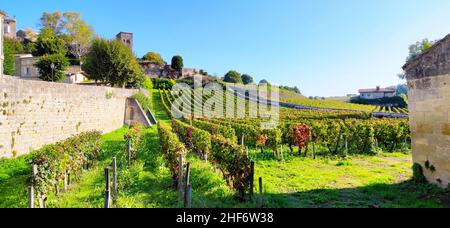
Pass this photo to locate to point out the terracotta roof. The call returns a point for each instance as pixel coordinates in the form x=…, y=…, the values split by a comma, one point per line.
x=377, y=90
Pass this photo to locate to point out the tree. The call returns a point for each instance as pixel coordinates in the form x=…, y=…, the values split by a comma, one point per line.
x=264, y=81
x=418, y=48
x=177, y=63
x=247, y=79
x=11, y=46
x=203, y=72
x=57, y=74
x=155, y=58
x=112, y=62
x=415, y=50
x=233, y=77
x=53, y=21
x=79, y=34
x=48, y=43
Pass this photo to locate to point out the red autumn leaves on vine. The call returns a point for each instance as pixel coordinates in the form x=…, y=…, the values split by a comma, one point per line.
x=300, y=135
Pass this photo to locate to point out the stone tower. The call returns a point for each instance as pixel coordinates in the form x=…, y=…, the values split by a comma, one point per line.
x=9, y=27
x=2, y=16
x=429, y=106
x=126, y=38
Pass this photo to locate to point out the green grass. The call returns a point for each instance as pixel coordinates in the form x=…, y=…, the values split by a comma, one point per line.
x=292, y=182
x=14, y=174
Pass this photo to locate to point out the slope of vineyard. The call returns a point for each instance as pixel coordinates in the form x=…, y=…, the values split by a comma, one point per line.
x=324, y=175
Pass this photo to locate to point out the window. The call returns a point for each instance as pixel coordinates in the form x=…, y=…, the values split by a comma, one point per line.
x=6, y=29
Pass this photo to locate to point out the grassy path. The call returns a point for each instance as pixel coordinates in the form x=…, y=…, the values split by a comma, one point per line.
x=360, y=181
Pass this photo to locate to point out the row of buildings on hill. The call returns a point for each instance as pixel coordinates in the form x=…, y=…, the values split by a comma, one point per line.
x=25, y=69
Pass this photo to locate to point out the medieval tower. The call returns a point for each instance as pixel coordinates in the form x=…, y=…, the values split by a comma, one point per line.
x=126, y=38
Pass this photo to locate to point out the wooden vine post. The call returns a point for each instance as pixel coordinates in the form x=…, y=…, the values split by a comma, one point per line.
x=314, y=150
x=40, y=196
x=31, y=200
x=189, y=196
x=114, y=166
x=252, y=177
x=243, y=139
x=107, y=188
x=282, y=152
x=261, y=202
x=180, y=176
x=129, y=150
x=346, y=147
x=188, y=186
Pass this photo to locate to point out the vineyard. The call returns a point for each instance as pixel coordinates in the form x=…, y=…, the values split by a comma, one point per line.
x=311, y=159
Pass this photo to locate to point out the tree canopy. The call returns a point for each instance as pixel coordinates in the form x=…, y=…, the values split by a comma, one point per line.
x=247, y=79
x=48, y=43
x=415, y=50
x=112, y=62
x=233, y=77
x=177, y=63
x=69, y=27
x=11, y=46
x=418, y=48
x=155, y=58
x=57, y=74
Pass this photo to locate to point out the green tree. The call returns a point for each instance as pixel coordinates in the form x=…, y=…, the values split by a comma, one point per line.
x=177, y=63
x=264, y=81
x=48, y=43
x=96, y=61
x=112, y=62
x=11, y=47
x=418, y=48
x=247, y=79
x=233, y=77
x=154, y=57
x=53, y=21
x=46, y=73
x=415, y=50
x=79, y=34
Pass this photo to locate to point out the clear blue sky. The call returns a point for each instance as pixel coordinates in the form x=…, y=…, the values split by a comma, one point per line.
x=325, y=47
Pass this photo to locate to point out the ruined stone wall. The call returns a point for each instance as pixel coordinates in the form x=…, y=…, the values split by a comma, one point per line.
x=429, y=104
x=36, y=113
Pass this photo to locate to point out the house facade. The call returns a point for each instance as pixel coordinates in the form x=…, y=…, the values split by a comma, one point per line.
x=9, y=27
x=24, y=67
x=376, y=93
x=2, y=15
x=428, y=78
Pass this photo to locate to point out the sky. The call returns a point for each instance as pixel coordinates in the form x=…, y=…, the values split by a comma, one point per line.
x=324, y=47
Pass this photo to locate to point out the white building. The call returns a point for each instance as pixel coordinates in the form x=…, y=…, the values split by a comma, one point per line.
x=376, y=93
x=2, y=16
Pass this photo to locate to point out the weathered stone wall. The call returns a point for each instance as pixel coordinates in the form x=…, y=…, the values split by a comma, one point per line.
x=429, y=104
x=35, y=113
x=434, y=62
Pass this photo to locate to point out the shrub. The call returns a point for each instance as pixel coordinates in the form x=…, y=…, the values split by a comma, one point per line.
x=215, y=129
x=194, y=138
x=134, y=136
x=233, y=77
x=46, y=73
x=233, y=162
x=163, y=83
x=171, y=148
x=143, y=100
x=70, y=155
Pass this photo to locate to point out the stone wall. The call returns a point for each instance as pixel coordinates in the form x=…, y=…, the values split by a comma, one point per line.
x=35, y=113
x=429, y=104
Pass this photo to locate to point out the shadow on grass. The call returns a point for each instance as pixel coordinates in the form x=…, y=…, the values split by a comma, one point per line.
x=403, y=195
